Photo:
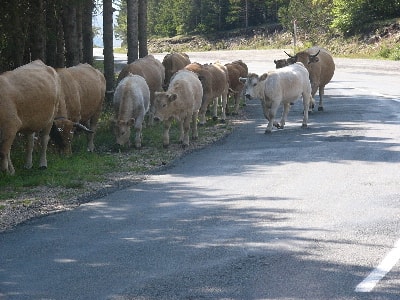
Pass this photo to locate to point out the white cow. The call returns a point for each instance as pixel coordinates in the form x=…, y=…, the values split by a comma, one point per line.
x=181, y=102
x=285, y=86
x=131, y=103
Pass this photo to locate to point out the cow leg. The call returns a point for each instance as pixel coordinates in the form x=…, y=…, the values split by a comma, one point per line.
x=29, y=150
x=138, y=136
x=236, y=97
x=202, y=112
x=167, y=126
x=321, y=94
x=215, y=111
x=44, y=140
x=271, y=116
x=223, y=108
x=286, y=108
x=195, y=133
x=186, y=128
x=5, y=157
x=307, y=99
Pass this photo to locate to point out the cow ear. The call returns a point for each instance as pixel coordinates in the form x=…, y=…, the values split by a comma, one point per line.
x=172, y=97
x=264, y=76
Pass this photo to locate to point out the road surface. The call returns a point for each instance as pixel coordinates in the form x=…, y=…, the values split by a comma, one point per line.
x=297, y=214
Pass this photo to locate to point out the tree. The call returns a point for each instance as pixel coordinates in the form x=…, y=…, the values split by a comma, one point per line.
x=132, y=14
x=108, y=50
x=142, y=28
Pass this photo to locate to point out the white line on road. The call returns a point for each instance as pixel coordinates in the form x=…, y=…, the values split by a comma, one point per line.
x=369, y=283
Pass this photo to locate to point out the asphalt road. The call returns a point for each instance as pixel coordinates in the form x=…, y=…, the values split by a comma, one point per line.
x=297, y=214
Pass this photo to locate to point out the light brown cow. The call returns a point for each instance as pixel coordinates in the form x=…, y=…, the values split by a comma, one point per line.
x=173, y=62
x=83, y=92
x=153, y=71
x=321, y=67
x=215, y=82
x=29, y=98
x=236, y=69
x=131, y=103
x=182, y=102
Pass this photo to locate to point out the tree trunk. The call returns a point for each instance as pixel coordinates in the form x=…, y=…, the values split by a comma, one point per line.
x=142, y=32
x=87, y=32
x=70, y=33
x=108, y=50
x=51, y=42
x=37, y=30
x=132, y=12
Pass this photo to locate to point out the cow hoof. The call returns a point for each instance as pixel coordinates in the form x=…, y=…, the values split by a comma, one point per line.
x=268, y=131
x=215, y=118
x=201, y=124
x=165, y=146
x=222, y=121
x=42, y=168
x=184, y=146
x=320, y=108
x=304, y=126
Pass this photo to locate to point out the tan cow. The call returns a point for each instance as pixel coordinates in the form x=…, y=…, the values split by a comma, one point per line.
x=236, y=69
x=29, y=98
x=182, y=102
x=321, y=67
x=215, y=82
x=153, y=71
x=131, y=103
x=83, y=92
x=281, y=86
x=173, y=62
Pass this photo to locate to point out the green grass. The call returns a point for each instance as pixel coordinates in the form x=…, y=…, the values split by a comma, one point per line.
x=74, y=171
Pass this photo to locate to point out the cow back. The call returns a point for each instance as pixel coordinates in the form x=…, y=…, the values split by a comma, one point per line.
x=29, y=97
x=174, y=62
x=91, y=85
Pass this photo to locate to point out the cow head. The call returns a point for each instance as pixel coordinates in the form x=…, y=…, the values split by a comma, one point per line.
x=303, y=57
x=250, y=84
x=62, y=132
x=122, y=131
x=162, y=104
x=280, y=63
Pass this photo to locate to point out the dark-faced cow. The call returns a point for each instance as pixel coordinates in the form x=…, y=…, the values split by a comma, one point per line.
x=29, y=98
x=153, y=71
x=215, y=82
x=320, y=66
x=173, y=62
x=236, y=69
x=285, y=86
x=83, y=92
x=181, y=102
x=131, y=103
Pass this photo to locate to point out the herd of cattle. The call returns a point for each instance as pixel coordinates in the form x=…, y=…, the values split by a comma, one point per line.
x=54, y=103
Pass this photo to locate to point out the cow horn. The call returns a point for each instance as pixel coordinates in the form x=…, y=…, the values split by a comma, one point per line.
x=84, y=128
x=316, y=54
x=289, y=55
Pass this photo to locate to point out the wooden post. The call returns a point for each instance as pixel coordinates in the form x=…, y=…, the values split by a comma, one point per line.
x=294, y=35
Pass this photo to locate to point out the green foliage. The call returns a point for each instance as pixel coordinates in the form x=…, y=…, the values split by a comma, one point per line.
x=353, y=16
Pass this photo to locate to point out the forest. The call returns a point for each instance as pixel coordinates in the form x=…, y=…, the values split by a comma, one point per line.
x=61, y=32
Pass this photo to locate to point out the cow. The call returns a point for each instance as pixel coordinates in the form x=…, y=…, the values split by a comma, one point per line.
x=131, y=103
x=153, y=71
x=280, y=63
x=236, y=69
x=83, y=91
x=215, y=82
x=284, y=86
x=29, y=99
x=320, y=66
x=182, y=102
x=172, y=63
